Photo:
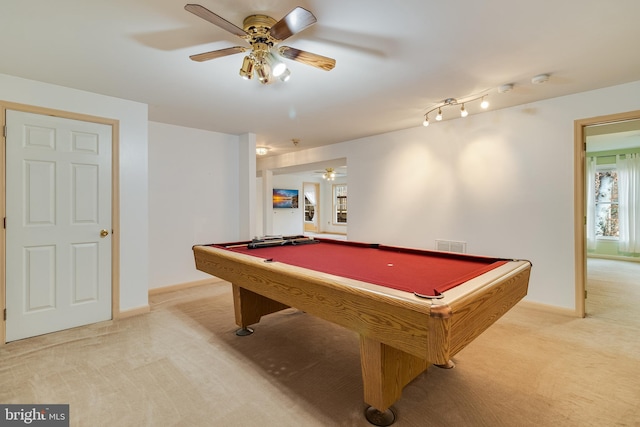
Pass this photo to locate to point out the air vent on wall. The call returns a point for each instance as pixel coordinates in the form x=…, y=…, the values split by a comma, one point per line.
x=451, y=246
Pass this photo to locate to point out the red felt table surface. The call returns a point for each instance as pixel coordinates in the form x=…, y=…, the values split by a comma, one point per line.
x=423, y=272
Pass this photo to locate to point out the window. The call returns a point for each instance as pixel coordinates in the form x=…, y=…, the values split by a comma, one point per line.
x=309, y=209
x=340, y=204
x=606, y=201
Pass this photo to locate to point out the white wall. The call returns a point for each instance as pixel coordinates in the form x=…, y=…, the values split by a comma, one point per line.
x=288, y=222
x=246, y=144
x=133, y=169
x=502, y=181
x=193, y=198
x=259, y=213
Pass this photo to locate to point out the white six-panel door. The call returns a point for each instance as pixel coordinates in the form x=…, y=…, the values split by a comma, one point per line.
x=58, y=226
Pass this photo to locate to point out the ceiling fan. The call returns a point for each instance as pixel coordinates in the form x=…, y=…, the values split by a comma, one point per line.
x=330, y=174
x=263, y=33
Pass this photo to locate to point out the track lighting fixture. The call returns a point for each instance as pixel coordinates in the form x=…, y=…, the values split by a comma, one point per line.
x=452, y=101
x=482, y=97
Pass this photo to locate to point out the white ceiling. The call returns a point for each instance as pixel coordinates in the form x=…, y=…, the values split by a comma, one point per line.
x=395, y=59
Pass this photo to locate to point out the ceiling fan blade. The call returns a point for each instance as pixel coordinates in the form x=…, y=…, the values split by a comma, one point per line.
x=207, y=15
x=294, y=22
x=218, y=53
x=308, y=58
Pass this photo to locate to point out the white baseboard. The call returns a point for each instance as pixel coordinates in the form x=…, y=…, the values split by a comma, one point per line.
x=186, y=285
x=134, y=312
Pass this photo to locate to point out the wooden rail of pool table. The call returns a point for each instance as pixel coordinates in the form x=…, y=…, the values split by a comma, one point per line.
x=400, y=334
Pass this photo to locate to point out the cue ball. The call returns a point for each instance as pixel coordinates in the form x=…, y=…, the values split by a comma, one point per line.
x=389, y=265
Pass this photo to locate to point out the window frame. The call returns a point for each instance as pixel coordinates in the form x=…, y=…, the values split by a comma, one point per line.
x=336, y=203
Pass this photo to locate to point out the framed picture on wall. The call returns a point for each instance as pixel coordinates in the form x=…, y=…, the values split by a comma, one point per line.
x=285, y=199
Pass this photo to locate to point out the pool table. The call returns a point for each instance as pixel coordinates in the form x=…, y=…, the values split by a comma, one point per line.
x=410, y=307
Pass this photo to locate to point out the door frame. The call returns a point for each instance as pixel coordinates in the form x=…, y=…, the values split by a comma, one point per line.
x=115, y=199
x=580, y=218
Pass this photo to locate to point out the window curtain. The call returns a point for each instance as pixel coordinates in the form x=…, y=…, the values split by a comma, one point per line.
x=591, y=203
x=629, y=202
x=311, y=197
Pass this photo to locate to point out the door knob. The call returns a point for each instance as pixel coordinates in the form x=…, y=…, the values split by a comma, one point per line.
x=104, y=233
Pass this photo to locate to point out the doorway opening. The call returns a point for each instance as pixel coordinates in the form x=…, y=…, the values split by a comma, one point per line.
x=314, y=215
x=583, y=129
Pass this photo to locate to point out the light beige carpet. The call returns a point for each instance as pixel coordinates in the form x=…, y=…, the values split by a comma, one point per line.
x=182, y=365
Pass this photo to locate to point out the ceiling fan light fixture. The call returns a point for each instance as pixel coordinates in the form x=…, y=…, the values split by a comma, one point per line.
x=246, y=71
x=264, y=33
x=261, y=151
x=277, y=67
x=330, y=174
x=262, y=73
x=285, y=76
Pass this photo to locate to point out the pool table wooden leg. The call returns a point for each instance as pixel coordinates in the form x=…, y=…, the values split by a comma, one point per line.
x=386, y=371
x=249, y=307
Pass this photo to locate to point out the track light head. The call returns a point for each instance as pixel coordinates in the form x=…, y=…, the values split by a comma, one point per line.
x=439, y=115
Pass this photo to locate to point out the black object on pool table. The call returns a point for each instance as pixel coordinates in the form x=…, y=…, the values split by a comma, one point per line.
x=269, y=241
